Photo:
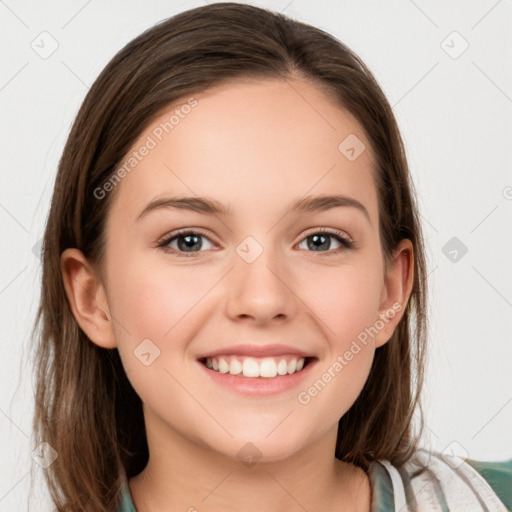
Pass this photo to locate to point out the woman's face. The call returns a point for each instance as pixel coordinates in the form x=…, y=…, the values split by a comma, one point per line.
x=257, y=284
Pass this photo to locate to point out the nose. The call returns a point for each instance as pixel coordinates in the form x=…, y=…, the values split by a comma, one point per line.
x=261, y=290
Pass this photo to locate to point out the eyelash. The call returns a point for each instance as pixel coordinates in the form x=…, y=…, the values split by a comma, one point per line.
x=340, y=236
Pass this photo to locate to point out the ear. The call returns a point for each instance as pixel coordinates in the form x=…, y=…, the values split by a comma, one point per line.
x=87, y=298
x=396, y=290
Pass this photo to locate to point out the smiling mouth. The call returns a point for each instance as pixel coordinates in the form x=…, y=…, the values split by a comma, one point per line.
x=255, y=367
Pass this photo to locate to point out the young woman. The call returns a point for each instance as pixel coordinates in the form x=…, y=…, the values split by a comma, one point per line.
x=233, y=299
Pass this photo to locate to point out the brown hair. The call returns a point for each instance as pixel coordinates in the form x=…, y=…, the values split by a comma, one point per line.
x=85, y=406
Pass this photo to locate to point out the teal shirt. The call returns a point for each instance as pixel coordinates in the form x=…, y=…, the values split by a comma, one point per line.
x=447, y=485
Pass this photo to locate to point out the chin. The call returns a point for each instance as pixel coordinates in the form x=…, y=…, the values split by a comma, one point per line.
x=252, y=448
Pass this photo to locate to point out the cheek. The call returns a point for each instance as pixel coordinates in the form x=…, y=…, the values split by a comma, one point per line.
x=152, y=301
x=345, y=299
x=156, y=310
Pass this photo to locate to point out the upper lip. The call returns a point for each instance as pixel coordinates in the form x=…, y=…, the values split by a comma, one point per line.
x=254, y=350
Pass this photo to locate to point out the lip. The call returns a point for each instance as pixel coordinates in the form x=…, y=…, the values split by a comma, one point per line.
x=254, y=350
x=258, y=386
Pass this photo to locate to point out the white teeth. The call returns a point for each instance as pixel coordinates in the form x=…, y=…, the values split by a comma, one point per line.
x=252, y=367
x=268, y=368
x=282, y=367
x=292, y=366
x=235, y=366
x=223, y=365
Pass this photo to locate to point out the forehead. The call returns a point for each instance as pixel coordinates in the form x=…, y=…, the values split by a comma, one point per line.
x=249, y=142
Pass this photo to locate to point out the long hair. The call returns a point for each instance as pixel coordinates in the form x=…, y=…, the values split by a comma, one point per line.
x=85, y=407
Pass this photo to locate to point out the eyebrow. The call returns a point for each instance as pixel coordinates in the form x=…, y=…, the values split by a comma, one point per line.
x=209, y=206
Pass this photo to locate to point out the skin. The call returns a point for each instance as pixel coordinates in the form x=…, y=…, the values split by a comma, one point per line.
x=255, y=145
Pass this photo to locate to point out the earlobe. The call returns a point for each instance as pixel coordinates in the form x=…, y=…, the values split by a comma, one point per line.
x=396, y=291
x=87, y=298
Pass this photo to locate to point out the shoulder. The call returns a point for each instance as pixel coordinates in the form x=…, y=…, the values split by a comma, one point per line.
x=126, y=503
x=499, y=477
x=434, y=481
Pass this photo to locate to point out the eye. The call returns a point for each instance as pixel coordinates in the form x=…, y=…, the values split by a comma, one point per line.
x=319, y=240
x=188, y=242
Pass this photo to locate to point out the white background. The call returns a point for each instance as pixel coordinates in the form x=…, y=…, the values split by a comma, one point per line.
x=456, y=119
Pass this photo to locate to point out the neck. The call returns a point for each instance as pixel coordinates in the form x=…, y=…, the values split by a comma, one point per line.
x=186, y=476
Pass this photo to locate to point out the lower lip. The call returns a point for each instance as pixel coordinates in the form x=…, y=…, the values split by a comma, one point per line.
x=259, y=386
